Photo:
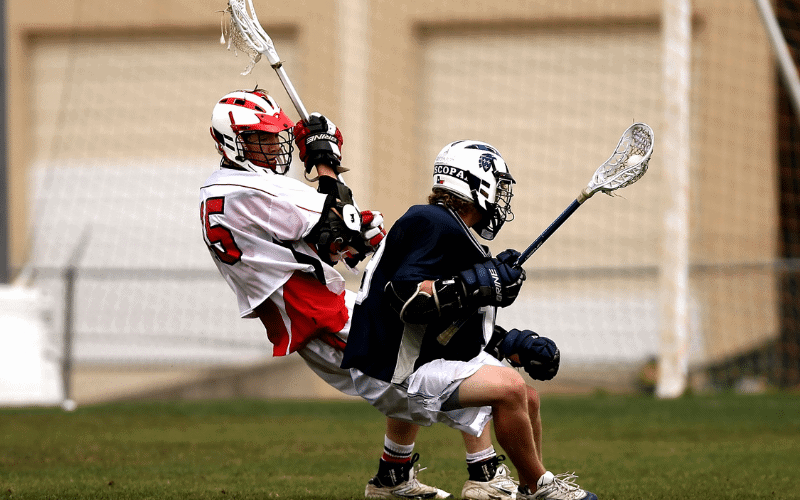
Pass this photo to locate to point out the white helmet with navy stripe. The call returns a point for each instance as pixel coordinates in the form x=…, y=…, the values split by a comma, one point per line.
x=475, y=171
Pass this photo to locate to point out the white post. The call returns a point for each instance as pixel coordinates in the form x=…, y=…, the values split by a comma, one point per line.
x=29, y=352
x=353, y=18
x=675, y=155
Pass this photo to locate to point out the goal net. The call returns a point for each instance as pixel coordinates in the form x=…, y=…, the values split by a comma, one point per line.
x=120, y=146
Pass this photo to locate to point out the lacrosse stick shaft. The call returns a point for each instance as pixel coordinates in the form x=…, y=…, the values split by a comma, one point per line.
x=552, y=228
x=448, y=333
x=298, y=104
x=290, y=90
x=287, y=84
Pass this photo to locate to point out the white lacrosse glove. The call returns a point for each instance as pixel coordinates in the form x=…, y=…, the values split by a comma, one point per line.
x=372, y=230
x=372, y=233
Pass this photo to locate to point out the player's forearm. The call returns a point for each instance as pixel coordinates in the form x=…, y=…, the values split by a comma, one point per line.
x=325, y=170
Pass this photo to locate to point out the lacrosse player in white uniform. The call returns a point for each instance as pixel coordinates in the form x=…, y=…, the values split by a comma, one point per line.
x=415, y=289
x=275, y=240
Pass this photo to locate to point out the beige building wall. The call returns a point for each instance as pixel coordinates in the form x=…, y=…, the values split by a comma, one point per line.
x=390, y=71
x=94, y=31
x=404, y=38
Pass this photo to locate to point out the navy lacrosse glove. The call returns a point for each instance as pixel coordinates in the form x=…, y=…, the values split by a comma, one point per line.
x=509, y=256
x=494, y=282
x=318, y=141
x=538, y=356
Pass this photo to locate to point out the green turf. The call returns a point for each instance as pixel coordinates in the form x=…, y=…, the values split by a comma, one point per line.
x=623, y=447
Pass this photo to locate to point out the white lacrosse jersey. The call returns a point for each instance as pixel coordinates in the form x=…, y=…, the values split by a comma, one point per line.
x=254, y=225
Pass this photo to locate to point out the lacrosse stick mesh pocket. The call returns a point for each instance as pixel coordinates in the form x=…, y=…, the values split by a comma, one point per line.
x=235, y=37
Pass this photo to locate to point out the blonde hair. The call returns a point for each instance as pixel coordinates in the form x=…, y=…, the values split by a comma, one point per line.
x=440, y=196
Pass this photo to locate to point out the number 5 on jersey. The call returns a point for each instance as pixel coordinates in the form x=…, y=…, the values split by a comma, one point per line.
x=218, y=238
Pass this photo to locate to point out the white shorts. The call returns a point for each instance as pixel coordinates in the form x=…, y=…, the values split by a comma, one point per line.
x=419, y=399
x=439, y=381
x=325, y=361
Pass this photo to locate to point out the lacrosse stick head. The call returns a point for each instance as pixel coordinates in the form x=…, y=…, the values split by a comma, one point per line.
x=626, y=165
x=245, y=34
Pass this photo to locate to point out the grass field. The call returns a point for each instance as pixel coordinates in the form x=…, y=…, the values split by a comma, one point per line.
x=623, y=448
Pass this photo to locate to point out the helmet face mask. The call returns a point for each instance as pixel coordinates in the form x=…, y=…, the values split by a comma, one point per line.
x=475, y=171
x=500, y=212
x=251, y=131
x=266, y=150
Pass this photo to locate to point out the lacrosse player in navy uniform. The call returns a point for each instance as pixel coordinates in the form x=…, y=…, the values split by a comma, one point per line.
x=429, y=278
x=275, y=240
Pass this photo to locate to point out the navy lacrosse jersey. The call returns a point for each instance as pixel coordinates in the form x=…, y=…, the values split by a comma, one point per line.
x=427, y=243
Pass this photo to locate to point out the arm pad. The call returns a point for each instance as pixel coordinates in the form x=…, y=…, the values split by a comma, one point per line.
x=490, y=283
x=330, y=186
x=418, y=307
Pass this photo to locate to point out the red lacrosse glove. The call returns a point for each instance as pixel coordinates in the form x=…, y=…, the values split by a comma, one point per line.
x=318, y=141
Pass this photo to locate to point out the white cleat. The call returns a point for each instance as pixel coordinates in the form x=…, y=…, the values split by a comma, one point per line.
x=501, y=487
x=410, y=488
x=560, y=487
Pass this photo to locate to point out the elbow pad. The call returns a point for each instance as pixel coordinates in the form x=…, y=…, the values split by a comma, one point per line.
x=330, y=186
x=335, y=229
x=417, y=307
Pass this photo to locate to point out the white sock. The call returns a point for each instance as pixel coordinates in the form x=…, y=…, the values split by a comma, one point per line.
x=481, y=455
x=393, y=452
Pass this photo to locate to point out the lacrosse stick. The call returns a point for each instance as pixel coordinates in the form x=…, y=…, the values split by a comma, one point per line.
x=625, y=166
x=246, y=35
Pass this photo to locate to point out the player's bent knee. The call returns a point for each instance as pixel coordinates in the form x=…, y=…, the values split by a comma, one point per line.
x=511, y=386
x=492, y=385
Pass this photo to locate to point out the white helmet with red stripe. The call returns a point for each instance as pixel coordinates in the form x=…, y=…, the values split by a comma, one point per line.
x=246, y=112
